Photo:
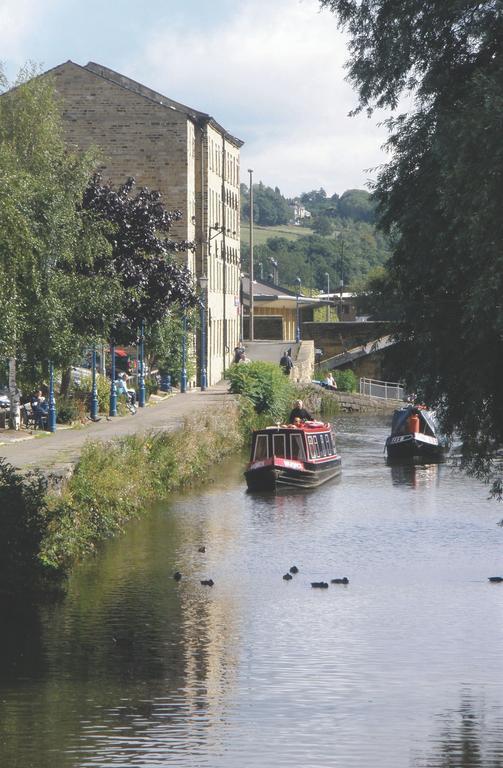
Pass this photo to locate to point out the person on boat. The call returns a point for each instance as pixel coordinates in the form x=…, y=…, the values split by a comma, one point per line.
x=299, y=412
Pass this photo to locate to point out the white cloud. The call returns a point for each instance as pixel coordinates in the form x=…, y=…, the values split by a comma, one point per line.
x=272, y=73
x=18, y=20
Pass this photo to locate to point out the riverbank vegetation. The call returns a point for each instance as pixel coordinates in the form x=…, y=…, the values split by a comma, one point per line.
x=44, y=534
x=267, y=395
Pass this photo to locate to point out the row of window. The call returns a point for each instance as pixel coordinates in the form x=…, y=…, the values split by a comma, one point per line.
x=217, y=157
x=292, y=446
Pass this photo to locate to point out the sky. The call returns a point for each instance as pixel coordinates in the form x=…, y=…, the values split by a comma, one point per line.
x=270, y=71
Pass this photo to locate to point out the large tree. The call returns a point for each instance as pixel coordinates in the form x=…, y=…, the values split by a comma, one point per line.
x=441, y=195
x=43, y=231
x=140, y=257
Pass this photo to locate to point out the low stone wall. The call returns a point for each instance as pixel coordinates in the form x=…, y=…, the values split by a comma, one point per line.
x=353, y=401
x=303, y=367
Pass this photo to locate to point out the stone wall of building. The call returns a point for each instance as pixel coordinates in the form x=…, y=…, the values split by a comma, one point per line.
x=184, y=155
x=137, y=136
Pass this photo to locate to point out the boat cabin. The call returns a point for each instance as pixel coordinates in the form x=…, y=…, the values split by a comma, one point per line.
x=308, y=442
x=412, y=419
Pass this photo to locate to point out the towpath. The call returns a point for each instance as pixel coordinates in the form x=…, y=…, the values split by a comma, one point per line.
x=46, y=451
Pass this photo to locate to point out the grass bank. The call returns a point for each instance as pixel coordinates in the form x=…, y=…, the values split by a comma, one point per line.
x=45, y=534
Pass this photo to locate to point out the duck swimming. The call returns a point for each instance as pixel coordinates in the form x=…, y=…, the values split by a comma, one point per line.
x=344, y=580
x=319, y=584
x=287, y=576
x=207, y=582
x=177, y=575
x=294, y=569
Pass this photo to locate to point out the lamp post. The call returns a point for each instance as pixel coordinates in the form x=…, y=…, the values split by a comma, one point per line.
x=328, y=295
x=94, y=388
x=113, y=387
x=203, y=284
x=141, y=367
x=251, y=330
x=342, y=277
x=183, y=374
x=297, y=311
x=52, y=400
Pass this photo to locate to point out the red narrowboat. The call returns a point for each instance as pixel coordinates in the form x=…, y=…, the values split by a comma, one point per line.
x=292, y=456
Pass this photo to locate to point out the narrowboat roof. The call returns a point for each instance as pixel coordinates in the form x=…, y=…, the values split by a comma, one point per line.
x=307, y=426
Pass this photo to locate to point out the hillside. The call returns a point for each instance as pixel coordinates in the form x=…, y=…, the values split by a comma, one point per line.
x=339, y=239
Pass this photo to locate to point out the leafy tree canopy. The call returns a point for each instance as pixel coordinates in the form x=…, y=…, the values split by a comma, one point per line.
x=442, y=194
x=139, y=255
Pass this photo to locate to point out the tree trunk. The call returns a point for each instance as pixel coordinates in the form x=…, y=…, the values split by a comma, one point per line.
x=66, y=378
x=14, y=397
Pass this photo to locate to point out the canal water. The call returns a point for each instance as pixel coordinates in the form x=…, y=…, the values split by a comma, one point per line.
x=402, y=667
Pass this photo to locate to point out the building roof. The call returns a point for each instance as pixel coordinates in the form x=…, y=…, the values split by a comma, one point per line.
x=201, y=118
x=268, y=292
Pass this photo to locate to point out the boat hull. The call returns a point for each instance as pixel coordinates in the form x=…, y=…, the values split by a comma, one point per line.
x=414, y=446
x=273, y=477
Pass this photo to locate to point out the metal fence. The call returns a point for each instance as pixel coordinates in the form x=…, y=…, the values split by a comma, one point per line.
x=387, y=390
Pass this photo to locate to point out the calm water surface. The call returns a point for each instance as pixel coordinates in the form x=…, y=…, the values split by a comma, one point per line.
x=402, y=667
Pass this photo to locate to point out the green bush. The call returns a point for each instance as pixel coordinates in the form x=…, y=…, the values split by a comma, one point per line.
x=103, y=386
x=67, y=410
x=265, y=385
x=24, y=519
x=346, y=380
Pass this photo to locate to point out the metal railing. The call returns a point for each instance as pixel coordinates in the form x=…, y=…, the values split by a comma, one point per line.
x=387, y=390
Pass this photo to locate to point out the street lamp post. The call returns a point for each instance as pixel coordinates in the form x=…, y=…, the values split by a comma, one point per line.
x=113, y=386
x=342, y=277
x=52, y=400
x=141, y=367
x=94, y=388
x=328, y=295
x=251, y=329
x=183, y=374
x=297, y=311
x=203, y=284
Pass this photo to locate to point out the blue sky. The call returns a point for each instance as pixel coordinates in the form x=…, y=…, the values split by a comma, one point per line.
x=270, y=71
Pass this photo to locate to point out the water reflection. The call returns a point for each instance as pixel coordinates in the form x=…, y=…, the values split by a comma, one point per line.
x=136, y=669
x=471, y=735
x=414, y=474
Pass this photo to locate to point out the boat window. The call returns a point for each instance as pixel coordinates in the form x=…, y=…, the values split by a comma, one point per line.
x=279, y=445
x=321, y=445
x=297, y=447
x=330, y=444
x=313, y=446
x=261, y=447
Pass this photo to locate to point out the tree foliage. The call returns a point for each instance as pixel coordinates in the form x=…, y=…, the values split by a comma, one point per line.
x=269, y=206
x=442, y=194
x=139, y=255
x=80, y=261
x=42, y=229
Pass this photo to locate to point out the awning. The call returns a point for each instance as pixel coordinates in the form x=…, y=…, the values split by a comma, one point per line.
x=120, y=352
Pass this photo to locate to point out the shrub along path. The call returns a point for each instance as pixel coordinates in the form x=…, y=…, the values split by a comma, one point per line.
x=46, y=451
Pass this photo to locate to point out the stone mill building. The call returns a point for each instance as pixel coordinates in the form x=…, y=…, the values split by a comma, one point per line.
x=184, y=154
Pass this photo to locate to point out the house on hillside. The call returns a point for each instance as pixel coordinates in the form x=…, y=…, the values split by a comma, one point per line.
x=185, y=155
x=298, y=212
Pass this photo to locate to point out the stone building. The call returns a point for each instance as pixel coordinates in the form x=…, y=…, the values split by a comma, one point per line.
x=184, y=154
